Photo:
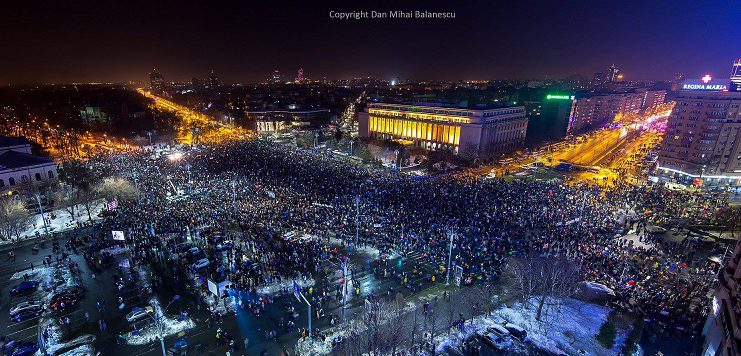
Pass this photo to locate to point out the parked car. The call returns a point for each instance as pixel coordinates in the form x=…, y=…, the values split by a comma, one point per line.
x=139, y=313
x=26, y=315
x=25, y=287
x=517, y=331
x=202, y=263
x=64, y=302
x=25, y=348
x=74, y=291
x=25, y=306
x=496, y=337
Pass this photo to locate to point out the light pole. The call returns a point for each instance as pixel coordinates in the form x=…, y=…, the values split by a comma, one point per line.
x=451, y=236
x=581, y=210
x=344, y=291
x=41, y=209
x=309, y=312
x=357, y=219
x=158, y=321
x=351, y=142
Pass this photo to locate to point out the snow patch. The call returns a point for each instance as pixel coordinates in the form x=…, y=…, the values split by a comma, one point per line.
x=276, y=288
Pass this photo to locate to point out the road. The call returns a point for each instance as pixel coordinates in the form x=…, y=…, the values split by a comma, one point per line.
x=387, y=275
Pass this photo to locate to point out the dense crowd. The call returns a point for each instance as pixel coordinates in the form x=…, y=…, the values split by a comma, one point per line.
x=259, y=191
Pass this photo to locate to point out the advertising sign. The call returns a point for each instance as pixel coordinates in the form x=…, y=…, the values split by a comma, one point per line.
x=458, y=275
x=118, y=235
x=706, y=83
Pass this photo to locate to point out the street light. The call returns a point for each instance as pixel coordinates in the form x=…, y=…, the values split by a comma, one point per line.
x=158, y=323
x=451, y=236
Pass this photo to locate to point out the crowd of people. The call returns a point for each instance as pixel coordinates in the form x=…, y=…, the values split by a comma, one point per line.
x=258, y=191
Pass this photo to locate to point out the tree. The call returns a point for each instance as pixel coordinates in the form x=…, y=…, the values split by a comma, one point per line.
x=14, y=218
x=77, y=174
x=67, y=200
x=541, y=278
x=116, y=188
x=305, y=139
x=633, y=339
x=469, y=152
x=432, y=321
x=607, y=333
x=730, y=218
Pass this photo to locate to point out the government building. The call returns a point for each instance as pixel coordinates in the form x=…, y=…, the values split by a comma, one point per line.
x=479, y=132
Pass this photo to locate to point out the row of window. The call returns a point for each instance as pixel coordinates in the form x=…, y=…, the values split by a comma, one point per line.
x=24, y=179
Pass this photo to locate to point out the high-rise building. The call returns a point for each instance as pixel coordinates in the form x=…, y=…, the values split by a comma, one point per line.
x=277, y=77
x=477, y=132
x=213, y=81
x=300, y=75
x=595, y=110
x=552, y=121
x=613, y=74
x=156, y=81
x=736, y=75
x=702, y=143
x=653, y=98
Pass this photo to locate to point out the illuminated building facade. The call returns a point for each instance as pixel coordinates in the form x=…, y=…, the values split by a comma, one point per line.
x=702, y=143
x=274, y=121
x=481, y=132
x=653, y=98
x=596, y=110
x=736, y=76
x=156, y=81
x=21, y=171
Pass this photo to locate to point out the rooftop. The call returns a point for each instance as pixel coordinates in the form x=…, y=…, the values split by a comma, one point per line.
x=13, y=159
x=10, y=141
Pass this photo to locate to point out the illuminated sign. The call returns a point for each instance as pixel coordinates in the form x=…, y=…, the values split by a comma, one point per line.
x=705, y=87
x=705, y=83
x=559, y=97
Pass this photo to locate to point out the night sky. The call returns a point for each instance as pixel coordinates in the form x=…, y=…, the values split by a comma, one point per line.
x=244, y=41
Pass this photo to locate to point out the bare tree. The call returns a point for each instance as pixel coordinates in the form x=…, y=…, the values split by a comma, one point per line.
x=67, y=199
x=14, y=218
x=432, y=320
x=542, y=278
x=116, y=188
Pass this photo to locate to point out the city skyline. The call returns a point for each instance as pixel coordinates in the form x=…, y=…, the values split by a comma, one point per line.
x=94, y=42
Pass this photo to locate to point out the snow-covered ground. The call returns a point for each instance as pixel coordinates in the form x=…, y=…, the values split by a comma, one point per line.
x=309, y=346
x=50, y=279
x=570, y=330
x=80, y=345
x=276, y=288
x=60, y=220
x=370, y=251
x=170, y=326
x=83, y=350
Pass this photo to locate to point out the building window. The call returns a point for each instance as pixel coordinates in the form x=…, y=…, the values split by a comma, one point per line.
x=24, y=179
x=38, y=176
x=51, y=174
x=2, y=182
x=11, y=181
